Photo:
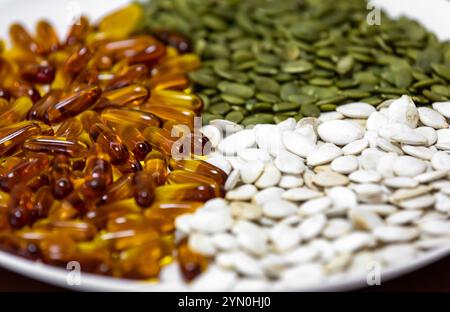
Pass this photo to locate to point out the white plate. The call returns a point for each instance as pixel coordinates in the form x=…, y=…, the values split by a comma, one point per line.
x=432, y=13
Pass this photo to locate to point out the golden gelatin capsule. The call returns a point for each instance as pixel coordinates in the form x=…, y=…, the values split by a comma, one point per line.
x=61, y=176
x=127, y=76
x=135, y=141
x=78, y=60
x=165, y=112
x=11, y=137
x=24, y=171
x=43, y=200
x=40, y=107
x=58, y=248
x=22, y=39
x=23, y=88
x=157, y=167
x=160, y=139
x=89, y=118
x=144, y=188
x=172, y=209
x=46, y=36
x=78, y=31
x=113, y=24
x=131, y=165
x=73, y=104
x=182, y=176
x=99, y=168
x=185, y=191
x=191, y=264
x=122, y=188
x=114, y=117
x=133, y=95
x=174, y=39
x=20, y=205
x=54, y=145
x=169, y=81
x=201, y=167
x=110, y=143
x=17, y=111
x=75, y=229
x=71, y=129
x=180, y=64
x=87, y=77
x=176, y=98
x=39, y=74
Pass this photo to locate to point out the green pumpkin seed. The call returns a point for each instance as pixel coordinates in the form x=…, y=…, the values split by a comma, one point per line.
x=285, y=106
x=327, y=107
x=434, y=97
x=296, y=67
x=302, y=99
x=236, y=89
x=204, y=79
x=232, y=99
x=257, y=119
x=219, y=109
x=345, y=64
x=310, y=110
x=267, y=97
x=441, y=90
x=266, y=84
x=235, y=116
x=442, y=70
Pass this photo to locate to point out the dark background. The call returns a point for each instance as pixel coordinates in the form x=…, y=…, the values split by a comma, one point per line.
x=435, y=277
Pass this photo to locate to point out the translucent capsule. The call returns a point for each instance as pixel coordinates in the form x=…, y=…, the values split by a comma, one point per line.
x=167, y=112
x=54, y=145
x=89, y=118
x=62, y=211
x=133, y=95
x=200, y=167
x=173, y=39
x=58, y=248
x=135, y=141
x=75, y=229
x=131, y=165
x=73, y=104
x=46, y=36
x=186, y=191
x=160, y=139
x=78, y=60
x=157, y=167
x=110, y=143
x=142, y=261
x=144, y=188
x=169, y=81
x=113, y=24
x=111, y=210
x=11, y=137
x=180, y=64
x=22, y=39
x=24, y=171
x=78, y=31
x=40, y=107
x=61, y=176
x=172, y=210
x=70, y=129
x=122, y=188
x=20, y=205
x=99, y=168
x=17, y=111
x=176, y=98
x=191, y=264
x=115, y=117
x=37, y=182
x=86, y=77
x=22, y=88
x=43, y=200
x=40, y=74
x=127, y=76
x=182, y=176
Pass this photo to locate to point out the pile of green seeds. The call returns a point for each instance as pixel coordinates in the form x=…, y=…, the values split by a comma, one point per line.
x=267, y=60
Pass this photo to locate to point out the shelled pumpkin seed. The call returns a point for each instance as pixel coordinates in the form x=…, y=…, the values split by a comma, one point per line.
x=302, y=57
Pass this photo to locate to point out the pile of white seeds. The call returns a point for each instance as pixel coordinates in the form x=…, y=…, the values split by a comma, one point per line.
x=321, y=199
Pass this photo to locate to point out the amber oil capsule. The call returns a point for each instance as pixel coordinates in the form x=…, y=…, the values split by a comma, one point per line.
x=110, y=143
x=54, y=145
x=115, y=117
x=17, y=111
x=166, y=112
x=176, y=98
x=135, y=141
x=169, y=81
x=22, y=39
x=160, y=139
x=40, y=74
x=70, y=129
x=122, y=188
x=191, y=264
x=46, y=36
x=11, y=137
x=144, y=189
x=179, y=64
x=61, y=176
x=182, y=176
x=20, y=205
x=174, y=39
x=132, y=95
x=40, y=107
x=43, y=200
x=78, y=31
x=78, y=60
x=127, y=76
x=73, y=104
x=201, y=167
x=157, y=167
x=185, y=191
x=171, y=209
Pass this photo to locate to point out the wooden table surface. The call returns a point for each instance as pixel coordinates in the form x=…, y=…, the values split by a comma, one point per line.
x=435, y=277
